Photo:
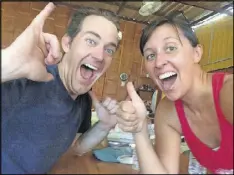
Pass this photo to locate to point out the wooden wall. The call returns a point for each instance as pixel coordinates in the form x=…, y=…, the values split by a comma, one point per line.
x=16, y=16
x=217, y=40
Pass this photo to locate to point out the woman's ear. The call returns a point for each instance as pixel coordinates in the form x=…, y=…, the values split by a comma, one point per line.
x=198, y=52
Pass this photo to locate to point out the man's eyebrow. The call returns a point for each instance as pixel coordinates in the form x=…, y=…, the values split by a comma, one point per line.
x=93, y=33
x=112, y=44
x=98, y=36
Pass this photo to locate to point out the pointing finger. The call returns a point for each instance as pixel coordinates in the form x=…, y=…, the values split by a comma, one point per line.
x=53, y=47
x=44, y=14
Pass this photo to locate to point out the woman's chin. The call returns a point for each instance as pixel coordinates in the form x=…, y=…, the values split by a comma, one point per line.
x=172, y=96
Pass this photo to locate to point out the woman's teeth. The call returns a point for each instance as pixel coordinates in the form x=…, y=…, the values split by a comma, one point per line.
x=166, y=75
x=90, y=66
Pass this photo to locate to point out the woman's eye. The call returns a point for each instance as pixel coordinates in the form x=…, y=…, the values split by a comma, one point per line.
x=91, y=42
x=170, y=49
x=150, y=57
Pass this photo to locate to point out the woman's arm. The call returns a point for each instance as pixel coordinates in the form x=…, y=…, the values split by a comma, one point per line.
x=166, y=158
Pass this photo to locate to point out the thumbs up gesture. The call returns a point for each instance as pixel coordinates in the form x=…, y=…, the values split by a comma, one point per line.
x=106, y=111
x=132, y=112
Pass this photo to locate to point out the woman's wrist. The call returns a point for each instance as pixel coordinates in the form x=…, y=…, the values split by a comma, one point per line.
x=144, y=130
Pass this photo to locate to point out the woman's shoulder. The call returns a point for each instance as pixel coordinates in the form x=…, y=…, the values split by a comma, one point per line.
x=226, y=93
x=228, y=79
x=226, y=97
x=166, y=106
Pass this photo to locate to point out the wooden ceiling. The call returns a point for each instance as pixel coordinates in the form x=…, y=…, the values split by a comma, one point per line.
x=194, y=11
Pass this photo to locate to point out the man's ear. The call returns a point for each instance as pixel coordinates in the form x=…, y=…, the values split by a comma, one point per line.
x=66, y=43
x=198, y=52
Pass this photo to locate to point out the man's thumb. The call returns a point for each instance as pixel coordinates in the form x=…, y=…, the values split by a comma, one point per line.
x=132, y=92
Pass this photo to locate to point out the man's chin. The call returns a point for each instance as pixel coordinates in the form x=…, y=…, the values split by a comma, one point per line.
x=84, y=89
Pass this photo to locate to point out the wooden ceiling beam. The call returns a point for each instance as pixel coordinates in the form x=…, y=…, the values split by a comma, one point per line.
x=175, y=13
x=113, y=2
x=137, y=9
x=132, y=20
x=205, y=8
x=119, y=16
x=121, y=7
x=212, y=14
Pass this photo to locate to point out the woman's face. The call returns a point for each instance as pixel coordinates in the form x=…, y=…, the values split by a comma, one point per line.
x=170, y=60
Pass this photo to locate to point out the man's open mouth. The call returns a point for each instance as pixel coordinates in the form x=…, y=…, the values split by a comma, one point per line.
x=168, y=79
x=88, y=71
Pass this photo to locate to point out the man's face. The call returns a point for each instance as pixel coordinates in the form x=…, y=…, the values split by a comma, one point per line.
x=90, y=53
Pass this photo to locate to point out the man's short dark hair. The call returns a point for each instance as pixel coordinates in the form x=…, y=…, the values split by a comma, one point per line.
x=75, y=23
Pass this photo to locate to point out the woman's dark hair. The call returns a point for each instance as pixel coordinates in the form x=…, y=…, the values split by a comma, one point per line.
x=182, y=25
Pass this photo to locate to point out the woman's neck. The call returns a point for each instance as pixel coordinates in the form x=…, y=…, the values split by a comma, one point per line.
x=197, y=98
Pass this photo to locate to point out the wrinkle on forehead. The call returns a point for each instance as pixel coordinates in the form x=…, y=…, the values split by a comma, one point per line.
x=163, y=32
x=102, y=26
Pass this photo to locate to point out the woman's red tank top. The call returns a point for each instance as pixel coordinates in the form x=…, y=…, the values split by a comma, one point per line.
x=221, y=160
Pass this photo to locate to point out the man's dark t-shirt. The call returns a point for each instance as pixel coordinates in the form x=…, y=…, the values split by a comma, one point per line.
x=39, y=122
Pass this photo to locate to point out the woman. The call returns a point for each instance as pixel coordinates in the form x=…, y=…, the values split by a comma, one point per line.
x=198, y=105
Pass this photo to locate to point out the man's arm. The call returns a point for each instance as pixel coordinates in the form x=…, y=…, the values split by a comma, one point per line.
x=107, y=120
x=26, y=56
x=91, y=138
x=9, y=69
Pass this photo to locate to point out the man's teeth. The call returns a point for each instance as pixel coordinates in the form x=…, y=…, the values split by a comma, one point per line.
x=166, y=75
x=90, y=66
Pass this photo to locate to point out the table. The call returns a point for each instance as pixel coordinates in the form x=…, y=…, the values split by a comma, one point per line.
x=87, y=164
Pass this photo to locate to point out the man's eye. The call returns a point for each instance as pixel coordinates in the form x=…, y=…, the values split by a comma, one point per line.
x=109, y=51
x=91, y=42
x=150, y=57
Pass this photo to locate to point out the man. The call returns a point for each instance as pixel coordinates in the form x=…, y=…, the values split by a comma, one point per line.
x=41, y=90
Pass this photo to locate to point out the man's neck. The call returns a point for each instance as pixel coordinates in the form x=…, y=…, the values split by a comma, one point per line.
x=62, y=67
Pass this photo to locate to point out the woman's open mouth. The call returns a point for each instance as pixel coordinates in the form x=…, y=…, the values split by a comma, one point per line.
x=167, y=80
